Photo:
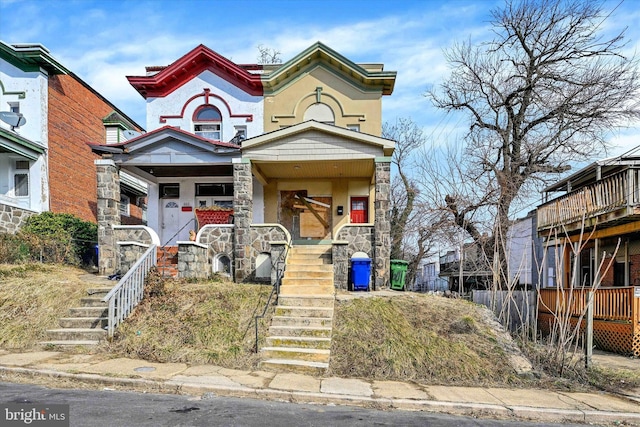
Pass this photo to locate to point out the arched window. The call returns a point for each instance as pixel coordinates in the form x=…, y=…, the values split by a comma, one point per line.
x=207, y=122
x=320, y=113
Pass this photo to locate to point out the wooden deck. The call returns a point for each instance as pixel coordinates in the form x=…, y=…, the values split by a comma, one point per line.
x=613, y=198
x=616, y=315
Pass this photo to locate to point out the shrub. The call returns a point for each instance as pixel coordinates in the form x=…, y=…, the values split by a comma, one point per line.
x=58, y=238
x=13, y=249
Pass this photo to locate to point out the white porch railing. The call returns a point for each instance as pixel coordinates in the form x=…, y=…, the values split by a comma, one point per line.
x=130, y=289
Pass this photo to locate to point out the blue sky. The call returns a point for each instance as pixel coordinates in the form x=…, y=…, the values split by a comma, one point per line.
x=104, y=41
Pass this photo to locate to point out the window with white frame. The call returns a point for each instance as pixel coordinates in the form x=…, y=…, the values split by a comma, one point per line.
x=124, y=205
x=21, y=179
x=14, y=107
x=207, y=122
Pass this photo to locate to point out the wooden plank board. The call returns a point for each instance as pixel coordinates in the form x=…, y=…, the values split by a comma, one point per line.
x=310, y=226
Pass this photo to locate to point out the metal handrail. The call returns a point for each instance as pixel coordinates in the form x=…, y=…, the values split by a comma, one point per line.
x=275, y=290
x=130, y=290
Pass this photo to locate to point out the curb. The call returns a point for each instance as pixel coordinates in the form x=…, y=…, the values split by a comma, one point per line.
x=480, y=410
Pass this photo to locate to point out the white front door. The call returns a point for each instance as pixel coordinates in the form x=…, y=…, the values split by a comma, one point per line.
x=170, y=222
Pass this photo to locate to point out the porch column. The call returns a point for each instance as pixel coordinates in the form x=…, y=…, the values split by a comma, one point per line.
x=382, y=225
x=242, y=218
x=108, y=214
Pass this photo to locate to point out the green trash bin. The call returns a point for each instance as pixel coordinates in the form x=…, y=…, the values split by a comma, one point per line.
x=398, y=274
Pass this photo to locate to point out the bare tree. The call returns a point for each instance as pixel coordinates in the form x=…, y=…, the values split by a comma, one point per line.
x=542, y=94
x=412, y=221
x=268, y=55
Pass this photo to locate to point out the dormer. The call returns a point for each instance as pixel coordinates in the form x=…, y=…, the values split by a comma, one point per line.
x=117, y=128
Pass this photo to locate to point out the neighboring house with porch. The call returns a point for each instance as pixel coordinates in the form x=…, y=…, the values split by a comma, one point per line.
x=45, y=164
x=291, y=152
x=594, y=227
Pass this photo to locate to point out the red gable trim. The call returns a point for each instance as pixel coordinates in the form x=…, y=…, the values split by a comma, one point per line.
x=189, y=66
x=207, y=94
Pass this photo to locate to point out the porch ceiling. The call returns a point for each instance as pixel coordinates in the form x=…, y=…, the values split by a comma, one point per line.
x=320, y=169
x=186, y=171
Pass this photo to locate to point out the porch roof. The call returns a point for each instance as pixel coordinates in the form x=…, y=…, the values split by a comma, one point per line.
x=171, y=152
x=588, y=173
x=13, y=143
x=315, y=150
x=386, y=146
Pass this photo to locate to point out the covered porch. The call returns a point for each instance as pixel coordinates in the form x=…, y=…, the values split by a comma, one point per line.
x=323, y=184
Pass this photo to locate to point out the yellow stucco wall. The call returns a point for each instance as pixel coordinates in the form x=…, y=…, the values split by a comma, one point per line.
x=351, y=104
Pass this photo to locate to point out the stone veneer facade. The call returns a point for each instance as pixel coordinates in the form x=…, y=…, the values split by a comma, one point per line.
x=12, y=218
x=382, y=225
x=108, y=215
x=349, y=240
x=193, y=260
x=243, y=217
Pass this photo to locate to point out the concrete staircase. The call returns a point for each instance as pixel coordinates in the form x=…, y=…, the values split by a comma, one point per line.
x=299, y=338
x=85, y=324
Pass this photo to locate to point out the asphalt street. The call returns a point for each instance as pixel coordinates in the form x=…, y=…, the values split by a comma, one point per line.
x=112, y=408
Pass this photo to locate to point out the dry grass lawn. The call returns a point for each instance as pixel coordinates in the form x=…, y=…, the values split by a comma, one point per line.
x=32, y=299
x=409, y=336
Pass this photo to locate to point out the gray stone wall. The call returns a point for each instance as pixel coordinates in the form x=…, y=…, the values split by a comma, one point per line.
x=193, y=260
x=356, y=238
x=128, y=254
x=261, y=238
x=139, y=235
x=108, y=215
x=340, y=259
x=12, y=218
x=219, y=240
x=382, y=233
x=243, y=217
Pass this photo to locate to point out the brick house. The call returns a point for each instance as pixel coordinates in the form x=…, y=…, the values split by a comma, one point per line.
x=45, y=163
x=293, y=151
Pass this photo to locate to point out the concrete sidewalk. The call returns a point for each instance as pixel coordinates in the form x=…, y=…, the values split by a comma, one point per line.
x=123, y=373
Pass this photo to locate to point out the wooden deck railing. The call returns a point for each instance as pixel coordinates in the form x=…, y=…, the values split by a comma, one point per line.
x=610, y=193
x=618, y=304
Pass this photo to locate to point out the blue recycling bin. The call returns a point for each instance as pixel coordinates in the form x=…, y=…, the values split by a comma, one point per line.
x=360, y=271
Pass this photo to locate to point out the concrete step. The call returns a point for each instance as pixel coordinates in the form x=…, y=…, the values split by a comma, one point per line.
x=88, y=311
x=312, y=260
x=299, y=342
x=306, y=354
x=297, y=366
x=316, y=312
x=74, y=343
x=305, y=300
x=297, y=267
x=300, y=331
x=306, y=274
x=307, y=290
x=92, y=302
x=304, y=281
x=311, y=249
x=100, y=292
x=73, y=334
x=301, y=321
x=83, y=322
